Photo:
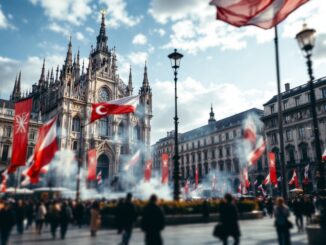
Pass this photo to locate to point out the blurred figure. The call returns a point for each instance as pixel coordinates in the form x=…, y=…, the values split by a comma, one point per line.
x=309, y=209
x=205, y=211
x=281, y=213
x=65, y=218
x=270, y=207
x=298, y=210
x=95, y=218
x=40, y=217
x=54, y=218
x=29, y=212
x=7, y=221
x=20, y=216
x=127, y=217
x=229, y=220
x=79, y=214
x=153, y=222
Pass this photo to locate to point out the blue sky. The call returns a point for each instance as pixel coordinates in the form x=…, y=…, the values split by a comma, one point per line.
x=232, y=68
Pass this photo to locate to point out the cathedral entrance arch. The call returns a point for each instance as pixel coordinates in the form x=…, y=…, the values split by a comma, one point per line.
x=103, y=165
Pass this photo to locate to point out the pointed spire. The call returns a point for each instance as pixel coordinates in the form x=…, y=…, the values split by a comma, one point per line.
x=57, y=73
x=51, y=76
x=68, y=61
x=18, y=83
x=48, y=76
x=83, y=67
x=211, y=119
x=77, y=57
x=101, y=44
x=42, y=77
x=130, y=88
x=145, y=80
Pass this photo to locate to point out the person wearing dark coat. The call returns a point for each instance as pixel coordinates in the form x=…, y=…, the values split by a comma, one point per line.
x=29, y=212
x=229, y=220
x=54, y=218
x=309, y=209
x=7, y=221
x=79, y=214
x=298, y=210
x=270, y=207
x=153, y=222
x=20, y=216
x=65, y=218
x=281, y=214
x=126, y=217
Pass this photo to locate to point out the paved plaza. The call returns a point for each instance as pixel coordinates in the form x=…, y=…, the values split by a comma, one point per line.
x=254, y=232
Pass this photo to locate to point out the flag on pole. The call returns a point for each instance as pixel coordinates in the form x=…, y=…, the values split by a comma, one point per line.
x=254, y=155
x=119, y=106
x=20, y=138
x=4, y=177
x=306, y=175
x=186, y=188
x=148, y=170
x=255, y=182
x=196, y=176
x=272, y=168
x=91, y=173
x=294, y=179
x=267, y=180
x=261, y=188
x=133, y=161
x=262, y=13
x=165, y=168
x=249, y=132
x=246, y=178
x=99, y=178
x=45, y=149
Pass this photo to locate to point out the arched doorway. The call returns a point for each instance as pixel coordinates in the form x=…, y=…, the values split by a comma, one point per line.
x=103, y=166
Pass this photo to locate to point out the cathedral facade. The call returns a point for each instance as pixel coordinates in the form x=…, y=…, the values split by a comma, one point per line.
x=68, y=94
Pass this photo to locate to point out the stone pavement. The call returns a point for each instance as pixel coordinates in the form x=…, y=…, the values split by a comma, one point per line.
x=254, y=232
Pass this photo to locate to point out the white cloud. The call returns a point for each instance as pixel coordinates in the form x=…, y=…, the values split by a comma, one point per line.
x=4, y=23
x=138, y=58
x=118, y=15
x=80, y=36
x=139, y=39
x=72, y=11
x=194, y=107
x=160, y=31
x=90, y=30
x=59, y=29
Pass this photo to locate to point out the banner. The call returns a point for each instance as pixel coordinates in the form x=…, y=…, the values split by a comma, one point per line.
x=196, y=176
x=91, y=156
x=20, y=137
x=165, y=168
x=272, y=168
x=148, y=170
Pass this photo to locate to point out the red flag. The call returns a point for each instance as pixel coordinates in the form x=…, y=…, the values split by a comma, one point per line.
x=119, y=106
x=196, y=176
x=261, y=188
x=45, y=149
x=262, y=13
x=324, y=156
x=306, y=175
x=249, y=132
x=165, y=168
x=91, y=155
x=272, y=168
x=294, y=179
x=20, y=139
x=3, y=185
x=254, y=156
x=132, y=161
x=246, y=178
x=148, y=169
x=267, y=180
x=239, y=190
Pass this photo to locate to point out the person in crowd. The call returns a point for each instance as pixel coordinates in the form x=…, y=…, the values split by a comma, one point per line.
x=29, y=212
x=79, y=214
x=65, y=218
x=54, y=218
x=7, y=221
x=309, y=209
x=127, y=217
x=95, y=218
x=270, y=207
x=153, y=222
x=229, y=220
x=298, y=209
x=40, y=217
x=205, y=211
x=282, y=224
x=20, y=216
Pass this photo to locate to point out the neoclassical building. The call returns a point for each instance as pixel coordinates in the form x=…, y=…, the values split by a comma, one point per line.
x=212, y=147
x=297, y=127
x=68, y=93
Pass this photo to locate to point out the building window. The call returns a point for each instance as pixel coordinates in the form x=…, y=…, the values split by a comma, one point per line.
x=187, y=157
x=32, y=135
x=220, y=152
x=226, y=136
x=272, y=108
x=274, y=138
x=199, y=156
x=213, y=154
x=76, y=124
x=198, y=143
x=228, y=151
x=8, y=131
x=220, y=138
x=289, y=135
x=5, y=151
x=273, y=123
x=324, y=92
x=205, y=155
x=297, y=100
x=301, y=132
x=205, y=142
x=104, y=127
x=234, y=133
x=308, y=97
x=193, y=145
x=212, y=140
x=285, y=104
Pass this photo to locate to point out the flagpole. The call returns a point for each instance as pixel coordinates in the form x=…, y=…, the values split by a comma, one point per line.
x=280, y=119
x=80, y=161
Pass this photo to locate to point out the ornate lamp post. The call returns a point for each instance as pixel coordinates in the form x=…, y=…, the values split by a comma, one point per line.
x=175, y=59
x=306, y=41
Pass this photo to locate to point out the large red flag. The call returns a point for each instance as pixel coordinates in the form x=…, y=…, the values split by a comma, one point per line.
x=262, y=13
x=148, y=170
x=20, y=139
x=119, y=106
x=132, y=161
x=45, y=149
x=254, y=155
x=249, y=132
x=294, y=179
x=196, y=176
x=272, y=168
x=91, y=156
x=165, y=168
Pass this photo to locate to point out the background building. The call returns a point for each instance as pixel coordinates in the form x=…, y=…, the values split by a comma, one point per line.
x=68, y=92
x=212, y=147
x=298, y=127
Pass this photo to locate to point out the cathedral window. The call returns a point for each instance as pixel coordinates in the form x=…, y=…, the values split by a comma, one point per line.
x=104, y=126
x=76, y=124
x=8, y=131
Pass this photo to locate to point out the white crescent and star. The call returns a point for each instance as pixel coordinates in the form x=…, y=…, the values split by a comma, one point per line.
x=99, y=111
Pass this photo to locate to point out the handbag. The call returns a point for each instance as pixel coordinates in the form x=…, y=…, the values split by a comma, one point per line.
x=218, y=231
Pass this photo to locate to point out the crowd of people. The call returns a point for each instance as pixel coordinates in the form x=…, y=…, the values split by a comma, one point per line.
x=59, y=214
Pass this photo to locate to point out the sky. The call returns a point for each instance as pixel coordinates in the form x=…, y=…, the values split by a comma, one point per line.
x=231, y=68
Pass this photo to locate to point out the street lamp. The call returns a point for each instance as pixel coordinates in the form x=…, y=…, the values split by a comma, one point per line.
x=175, y=59
x=306, y=41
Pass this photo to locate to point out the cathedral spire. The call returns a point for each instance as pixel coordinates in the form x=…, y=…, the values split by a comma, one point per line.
x=16, y=93
x=101, y=44
x=83, y=67
x=57, y=73
x=68, y=61
x=42, y=77
x=211, y=119
x=51, y=76
x=145, y=80
x=130, y=88
x=18, y=83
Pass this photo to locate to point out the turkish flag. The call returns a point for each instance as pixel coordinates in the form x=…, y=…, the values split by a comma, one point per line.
x=267, y=180
x=262, y=13
x=45, y=149
x=254, y=155
x=148, y=170
x=20, y=140
x=272, y=168
x=165, y=168
x=91, y=156
x=119, y=106
x=196, y=176
x=294, y=179
x=249, y=132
